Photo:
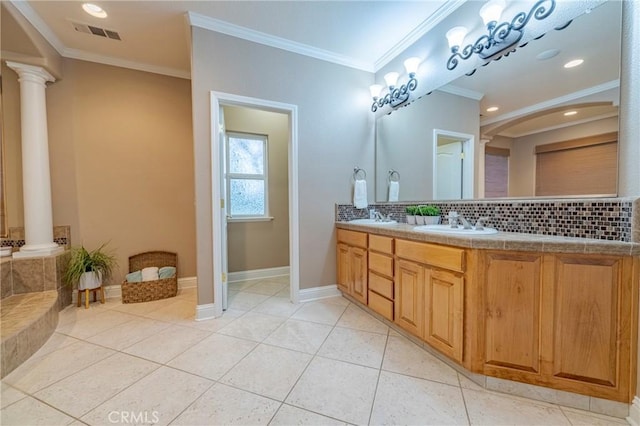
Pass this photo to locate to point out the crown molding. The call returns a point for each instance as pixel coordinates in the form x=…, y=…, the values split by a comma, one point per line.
x=427, y=25
x=123, y=63
x=552, y=102
x=216, y=25
x=35, y=20
x=559, y=126
x=467, y=93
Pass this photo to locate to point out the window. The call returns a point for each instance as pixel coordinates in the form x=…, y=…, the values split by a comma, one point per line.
x=247, y=196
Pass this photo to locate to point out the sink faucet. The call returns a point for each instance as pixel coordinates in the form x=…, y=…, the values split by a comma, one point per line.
x=454, y=217
x=382, y=218
x=480, y=223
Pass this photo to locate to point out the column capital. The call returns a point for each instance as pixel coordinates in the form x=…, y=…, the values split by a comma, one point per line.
x=24, y=70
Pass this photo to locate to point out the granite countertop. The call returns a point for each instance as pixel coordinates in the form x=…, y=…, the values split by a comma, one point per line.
x=502, y=240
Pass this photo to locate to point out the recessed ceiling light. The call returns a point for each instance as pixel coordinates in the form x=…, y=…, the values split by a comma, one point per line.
x=568, y=113
x=574, y=63
x=547, y=54
x=492, y=109
x=94, y=10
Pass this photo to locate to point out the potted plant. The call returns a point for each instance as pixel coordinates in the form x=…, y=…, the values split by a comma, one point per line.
x=87, y=269
x=430, y=214
x=411, y=211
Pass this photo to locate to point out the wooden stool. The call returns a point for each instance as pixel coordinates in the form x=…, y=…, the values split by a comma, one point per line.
x=86, y=295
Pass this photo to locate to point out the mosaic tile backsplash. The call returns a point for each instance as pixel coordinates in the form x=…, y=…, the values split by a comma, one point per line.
x=598, y=218
x=61, y=236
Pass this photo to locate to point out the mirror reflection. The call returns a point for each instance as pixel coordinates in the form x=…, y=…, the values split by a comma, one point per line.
x=536, y=127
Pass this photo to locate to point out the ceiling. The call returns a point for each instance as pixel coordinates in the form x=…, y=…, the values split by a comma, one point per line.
x=155, y=38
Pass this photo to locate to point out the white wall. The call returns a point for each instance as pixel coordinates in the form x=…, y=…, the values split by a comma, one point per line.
x=335, y=133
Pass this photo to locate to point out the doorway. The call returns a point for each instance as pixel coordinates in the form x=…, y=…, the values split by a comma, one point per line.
x=225, y=243
x=453, y=157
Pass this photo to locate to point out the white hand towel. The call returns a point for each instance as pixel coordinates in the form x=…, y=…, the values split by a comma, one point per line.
x=360, y=194
x=150, y=273
x=394, y=190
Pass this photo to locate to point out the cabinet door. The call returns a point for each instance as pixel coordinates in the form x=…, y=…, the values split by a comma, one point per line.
x=359, y=274
x=513, y=285
x=344, y=273
x=444, y=305
x=592, y=325
x=409, y=298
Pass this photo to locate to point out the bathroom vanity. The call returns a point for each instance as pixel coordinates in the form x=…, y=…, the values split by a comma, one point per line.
x=550, y=311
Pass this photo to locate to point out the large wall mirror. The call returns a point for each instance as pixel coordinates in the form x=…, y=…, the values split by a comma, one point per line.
x=530, y=146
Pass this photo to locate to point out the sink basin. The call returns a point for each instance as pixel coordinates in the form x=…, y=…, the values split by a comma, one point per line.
x=372, y=222
x=447, y=229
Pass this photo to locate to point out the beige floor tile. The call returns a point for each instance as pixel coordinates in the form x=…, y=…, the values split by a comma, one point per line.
x=253, y=326
x=300, y=336
x=159, y=397
x=336, y=389
x=289, y=415
x=38, y=373
x=336, y=300
x=490, y=408
x=584, y=418
x=467, y=383
x=90, y=327
x=178, y=311
x=284, y=293
x=357, y=319
x=243, y=285
x=404, y=357
x=403, y=400
x=167, y=344
x=322, y=312
x=9, y=395
x=213, y=356
x=278, y=306
x=55, y=342
x=224, y=405
x=127, y=334
x=142, y=308
x=268, y=371
x=73, y=313
x=245, y=301
x=358, y=347
x=31, y=412
x=268, y=288
x=88, y=388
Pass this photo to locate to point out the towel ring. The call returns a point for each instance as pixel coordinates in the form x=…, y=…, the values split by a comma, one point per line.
x=357, y=171
x=393, y=174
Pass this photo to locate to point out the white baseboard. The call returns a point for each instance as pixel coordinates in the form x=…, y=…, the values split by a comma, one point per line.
x=115, y=291
x=205, y=312
x=634, y=412
x=317, y=293
x=257, y=274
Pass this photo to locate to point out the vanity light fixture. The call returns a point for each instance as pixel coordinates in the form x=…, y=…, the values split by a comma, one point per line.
x=94, y=10
x=396, y=96
x=574, y=63
x=501, y=36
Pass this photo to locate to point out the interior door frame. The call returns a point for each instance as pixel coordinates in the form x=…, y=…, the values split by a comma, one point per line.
x=219, y=214
x=468, y=166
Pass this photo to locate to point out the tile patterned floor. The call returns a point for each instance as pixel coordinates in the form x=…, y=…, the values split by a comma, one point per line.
x=266, y=361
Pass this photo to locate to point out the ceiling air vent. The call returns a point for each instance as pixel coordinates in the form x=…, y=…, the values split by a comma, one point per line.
x=97, y=31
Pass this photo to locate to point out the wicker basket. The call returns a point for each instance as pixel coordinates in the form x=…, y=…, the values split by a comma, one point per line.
x=147, y=291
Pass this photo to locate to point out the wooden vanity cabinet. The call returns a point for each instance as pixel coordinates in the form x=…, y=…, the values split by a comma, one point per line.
x=429, y=299
x=352, y=263
x=380, y=278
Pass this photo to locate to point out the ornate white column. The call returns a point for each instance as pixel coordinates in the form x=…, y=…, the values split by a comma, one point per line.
x=36, y=181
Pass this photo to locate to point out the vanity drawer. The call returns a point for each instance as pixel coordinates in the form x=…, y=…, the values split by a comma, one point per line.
x=381, y=285
x=381, y=305
x=381, y=244
x=431, y=254
x=352, y=238
x=381, y=263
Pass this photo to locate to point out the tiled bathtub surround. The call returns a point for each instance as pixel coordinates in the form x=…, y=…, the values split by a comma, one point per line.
x=61, y=235
x=614, y=219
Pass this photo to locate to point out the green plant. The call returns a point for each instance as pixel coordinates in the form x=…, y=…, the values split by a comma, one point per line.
x=411, y=210
x=429, y=210
x=82, y=261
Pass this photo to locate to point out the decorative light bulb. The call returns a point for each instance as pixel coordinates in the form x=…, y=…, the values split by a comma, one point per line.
x=391, y=78
x=411, y=65
x=491, y=11
x=375, y=90
x=456, y=35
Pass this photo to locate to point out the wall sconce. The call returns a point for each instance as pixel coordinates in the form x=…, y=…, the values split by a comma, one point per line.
x=396, y=95
x=501, y=36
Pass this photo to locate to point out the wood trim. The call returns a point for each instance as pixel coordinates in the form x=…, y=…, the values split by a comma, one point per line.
x=611, y=137
x=494, y=150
